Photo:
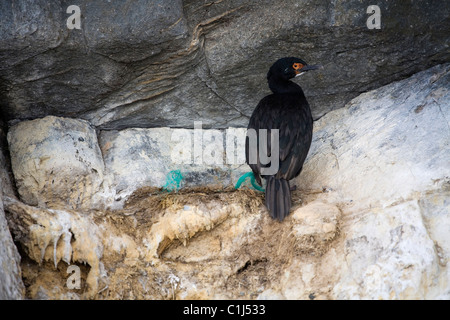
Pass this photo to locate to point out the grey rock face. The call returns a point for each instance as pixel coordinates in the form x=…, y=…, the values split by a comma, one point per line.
x=159, y=63
x=11, y=285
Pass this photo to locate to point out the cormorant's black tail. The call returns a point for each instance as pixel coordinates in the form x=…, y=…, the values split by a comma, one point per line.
x=278, y=197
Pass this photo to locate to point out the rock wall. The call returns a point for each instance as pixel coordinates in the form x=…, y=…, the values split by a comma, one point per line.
x=167, y=64
x=11, y=285
x=370, y=219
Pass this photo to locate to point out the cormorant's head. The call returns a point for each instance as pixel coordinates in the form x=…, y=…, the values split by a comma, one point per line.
x=288, y=68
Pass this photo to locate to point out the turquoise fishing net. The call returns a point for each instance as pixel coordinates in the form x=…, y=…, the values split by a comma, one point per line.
x=251, y=176
x=173, y=181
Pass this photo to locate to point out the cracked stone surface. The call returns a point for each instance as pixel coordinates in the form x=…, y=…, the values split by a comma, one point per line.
x=160, y=64
x=11, y=284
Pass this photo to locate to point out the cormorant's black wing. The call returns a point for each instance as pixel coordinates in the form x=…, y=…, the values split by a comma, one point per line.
x=295, y=135
x=258, y=120
x=290, y=114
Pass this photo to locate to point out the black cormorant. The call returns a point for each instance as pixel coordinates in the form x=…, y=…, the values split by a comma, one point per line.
x=288, y=111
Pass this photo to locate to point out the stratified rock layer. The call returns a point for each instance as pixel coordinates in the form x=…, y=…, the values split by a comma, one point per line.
x=168, y=64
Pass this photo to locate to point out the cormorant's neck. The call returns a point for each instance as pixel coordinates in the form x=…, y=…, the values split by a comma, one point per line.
x=278, y=85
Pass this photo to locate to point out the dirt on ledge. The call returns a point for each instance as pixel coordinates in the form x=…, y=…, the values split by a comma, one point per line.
x=197, y=243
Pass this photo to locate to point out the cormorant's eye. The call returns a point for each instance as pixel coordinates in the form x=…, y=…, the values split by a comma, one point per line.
x=297, y=66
